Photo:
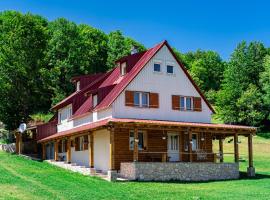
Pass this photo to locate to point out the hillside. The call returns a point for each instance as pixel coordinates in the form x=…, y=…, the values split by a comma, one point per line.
x=26, y=179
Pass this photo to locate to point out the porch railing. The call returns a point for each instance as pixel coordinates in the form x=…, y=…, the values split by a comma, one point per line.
x=199, y=156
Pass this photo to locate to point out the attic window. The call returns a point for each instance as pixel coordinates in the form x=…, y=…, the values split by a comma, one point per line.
x=95, y=100
x=123, y=68
x=78, y=86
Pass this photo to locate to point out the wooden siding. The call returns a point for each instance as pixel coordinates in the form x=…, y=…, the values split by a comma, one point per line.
x=155, y=143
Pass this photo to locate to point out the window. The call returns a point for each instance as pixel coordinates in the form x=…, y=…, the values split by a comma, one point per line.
x=157, y=67
x=64, y=114
x=174, y=142
x=81, y=143
x=141, y=137
x=123, y=68
x=188, y=103
x=95, y=100
x=141, y=99
x=78, y=86
x=137, y=98
x=144, y=99
x=169, y=69
x=194, y=142
x=182, y=103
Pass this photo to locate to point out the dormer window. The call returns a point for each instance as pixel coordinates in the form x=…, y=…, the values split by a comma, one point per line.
x=123, y=68
x=95, y=100
x=78, y=86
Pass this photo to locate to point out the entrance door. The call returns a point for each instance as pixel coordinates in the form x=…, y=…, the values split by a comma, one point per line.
x=173, y=146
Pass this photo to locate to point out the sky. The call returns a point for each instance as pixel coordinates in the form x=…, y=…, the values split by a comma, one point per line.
x=217, y=25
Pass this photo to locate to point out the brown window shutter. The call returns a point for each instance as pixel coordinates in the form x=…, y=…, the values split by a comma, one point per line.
x=175, y=102
x=77, y=144
x=85, y=142
x=129, y=96
x=153, y=100
x=197, y=104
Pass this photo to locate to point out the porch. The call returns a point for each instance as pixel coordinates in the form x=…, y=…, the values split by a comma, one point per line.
x=154, y=150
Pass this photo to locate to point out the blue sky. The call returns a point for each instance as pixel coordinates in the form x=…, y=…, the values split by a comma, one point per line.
x=187, y=25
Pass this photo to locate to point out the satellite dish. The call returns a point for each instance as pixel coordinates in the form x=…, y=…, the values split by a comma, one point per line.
x=22, y=127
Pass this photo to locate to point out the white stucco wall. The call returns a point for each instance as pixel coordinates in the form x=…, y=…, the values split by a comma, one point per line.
x=166, y=85
x=102, y=114
x=80, y=157
x=101, y=150
x=80, y=121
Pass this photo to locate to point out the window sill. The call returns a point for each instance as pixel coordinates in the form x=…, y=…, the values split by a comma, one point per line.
x=159, y=73
x=171, y=74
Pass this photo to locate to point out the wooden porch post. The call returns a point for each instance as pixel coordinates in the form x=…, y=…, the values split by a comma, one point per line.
x=236, y=150
x=112, y=150
x=135, y=151
x=250, y=151
x=69, y=150
x=190, y=145
x=250, y=169
x=56, y=150
x=181, y=144
x=43, y=151
x=221, y=149
x=17, y=142
x=91, y=150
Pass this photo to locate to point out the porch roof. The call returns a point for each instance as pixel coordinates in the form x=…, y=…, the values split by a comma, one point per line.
x=145, y=123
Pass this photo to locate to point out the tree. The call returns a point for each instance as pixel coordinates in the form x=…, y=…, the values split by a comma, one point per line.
x=243, y=70
x=22, y=45
x=119, y=46
x=265, y=84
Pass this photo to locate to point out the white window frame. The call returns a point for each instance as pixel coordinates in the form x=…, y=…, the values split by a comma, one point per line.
x=185, y=103
x=140, y=105
x=64, y=112
x=123, y=68
x=95, y=100
x=81, y=142
x=195, y=143
x=78, y=86
x=157, y=63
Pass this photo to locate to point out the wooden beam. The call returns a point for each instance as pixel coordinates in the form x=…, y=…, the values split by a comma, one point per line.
x=221, y=149
x=56, y=150
x=236, y=149
x=112, y=149
x=68, y=150
x=135, y=150
x=17, y=142
x=190, y=145
x=250, y=151
x=43, y=151
x=91, y=150
x=181, y=144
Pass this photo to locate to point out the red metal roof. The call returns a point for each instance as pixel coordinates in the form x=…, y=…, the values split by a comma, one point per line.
x=111, y=84
x=77, y=130
x=187, y=124
x=143, y=59
x=109, y=121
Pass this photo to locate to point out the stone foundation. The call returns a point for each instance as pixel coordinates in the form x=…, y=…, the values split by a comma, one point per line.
x=181, y=171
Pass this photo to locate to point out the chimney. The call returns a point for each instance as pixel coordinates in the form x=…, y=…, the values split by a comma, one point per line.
x=133, y=50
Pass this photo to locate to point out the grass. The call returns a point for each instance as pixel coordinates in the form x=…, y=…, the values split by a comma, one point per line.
x=26, y=179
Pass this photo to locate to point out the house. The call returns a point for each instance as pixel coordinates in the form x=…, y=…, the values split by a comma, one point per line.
x=146, y=119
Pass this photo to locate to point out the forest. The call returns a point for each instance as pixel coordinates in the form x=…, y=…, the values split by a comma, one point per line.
x=38, y=57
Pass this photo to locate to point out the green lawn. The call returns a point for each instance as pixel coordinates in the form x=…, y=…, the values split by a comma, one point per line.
x=26, y=179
